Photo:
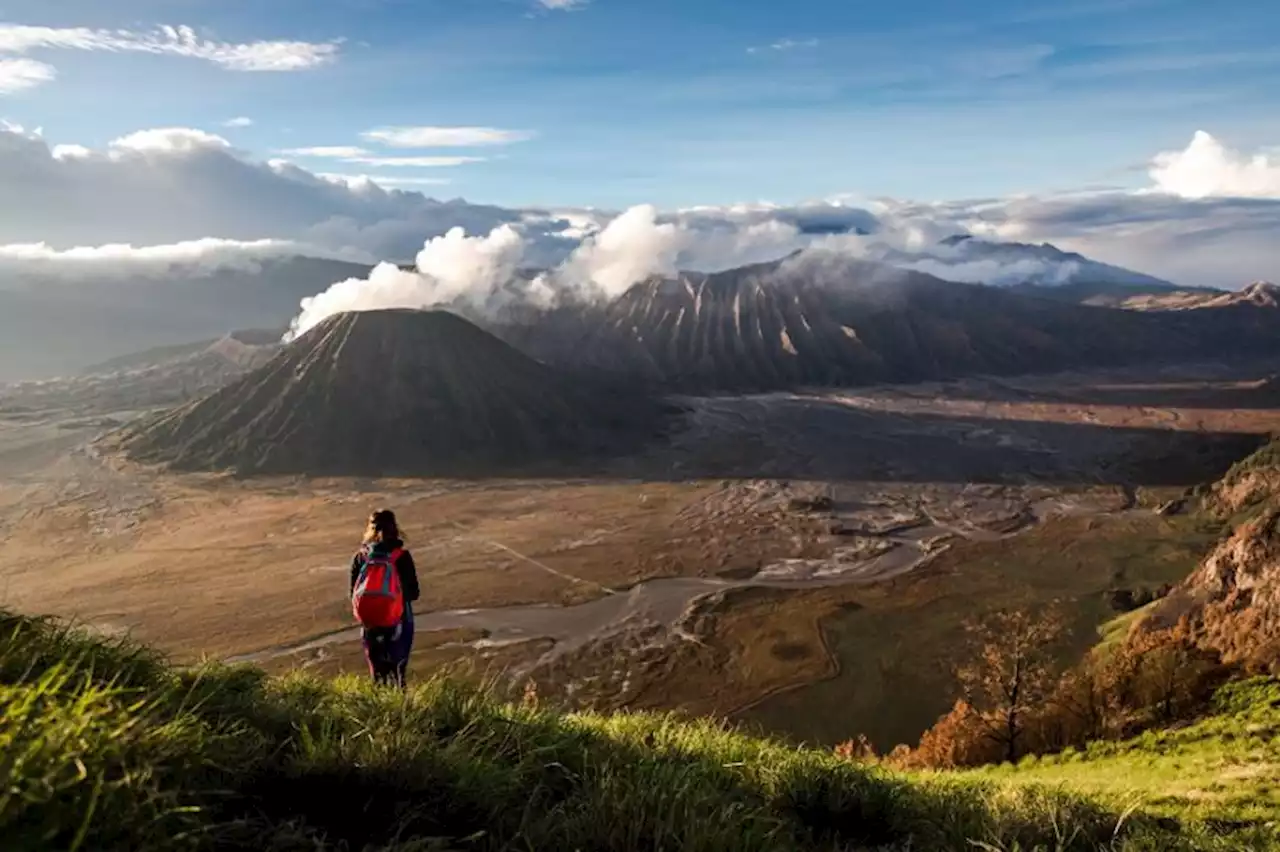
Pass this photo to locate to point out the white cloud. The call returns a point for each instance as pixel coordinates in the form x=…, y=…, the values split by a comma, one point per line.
x=18, y=75
x=562, y=5
x=239, y=122
x=1207, y=168
x=363, y=157
x=412, y=162
x=336, y=151
x=175, y=186
x=168, y=140
x=171, y=41
x=67, y=152
x=125, y=262
x=444, y=137
x=372, y=181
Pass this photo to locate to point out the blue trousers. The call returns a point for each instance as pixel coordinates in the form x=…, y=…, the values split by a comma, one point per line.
x=387, y=650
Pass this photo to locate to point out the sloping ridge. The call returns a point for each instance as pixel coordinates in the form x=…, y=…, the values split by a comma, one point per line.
x=388, y=393
x=833, y=321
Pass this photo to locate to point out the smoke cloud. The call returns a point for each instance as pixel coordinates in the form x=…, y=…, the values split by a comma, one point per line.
x=480, y=271
x=631, y=248
x=449, y=269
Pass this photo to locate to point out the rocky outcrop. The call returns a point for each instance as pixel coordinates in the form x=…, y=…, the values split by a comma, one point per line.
x=1250, y=483
x=1231, y=603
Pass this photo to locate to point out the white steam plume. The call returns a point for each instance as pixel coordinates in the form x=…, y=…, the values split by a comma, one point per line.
x=449, y=268
x=480, y=271
x=632, y=247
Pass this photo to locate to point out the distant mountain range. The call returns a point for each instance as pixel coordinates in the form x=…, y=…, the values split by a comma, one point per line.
x=54, y=326
x=1012, y=264
x=155, y=378
x=819, y=319
x=427, y=393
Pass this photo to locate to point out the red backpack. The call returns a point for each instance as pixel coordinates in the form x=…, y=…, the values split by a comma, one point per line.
x=378, y=600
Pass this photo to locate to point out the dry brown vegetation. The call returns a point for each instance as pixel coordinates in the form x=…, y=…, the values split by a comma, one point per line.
x=893, y=644
x=1018, y=698
x=1012, y=674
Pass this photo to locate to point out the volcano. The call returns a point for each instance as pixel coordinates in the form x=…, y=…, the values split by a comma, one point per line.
x=396, y=393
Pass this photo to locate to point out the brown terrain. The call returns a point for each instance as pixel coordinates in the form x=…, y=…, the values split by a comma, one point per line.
x=795, y=560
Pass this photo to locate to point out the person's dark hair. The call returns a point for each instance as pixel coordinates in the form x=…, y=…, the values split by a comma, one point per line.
x=382, y=527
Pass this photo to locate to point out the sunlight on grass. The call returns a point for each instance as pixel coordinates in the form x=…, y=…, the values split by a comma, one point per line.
x=104, y=747
x=1224, y=769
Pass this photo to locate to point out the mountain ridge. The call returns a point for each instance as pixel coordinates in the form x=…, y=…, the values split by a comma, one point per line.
x=824, y=319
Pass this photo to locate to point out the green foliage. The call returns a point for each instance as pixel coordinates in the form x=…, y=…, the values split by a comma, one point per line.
x=103, y=747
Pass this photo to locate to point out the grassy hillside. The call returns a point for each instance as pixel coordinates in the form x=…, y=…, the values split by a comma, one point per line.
x=1223, y=770
x=104, y=747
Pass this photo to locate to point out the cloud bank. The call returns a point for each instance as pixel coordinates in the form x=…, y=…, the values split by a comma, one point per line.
x=1211, y=216
x=173, y=185
x=124, y=262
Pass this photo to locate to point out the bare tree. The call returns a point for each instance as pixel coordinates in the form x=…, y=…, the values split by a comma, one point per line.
x=1013, y=672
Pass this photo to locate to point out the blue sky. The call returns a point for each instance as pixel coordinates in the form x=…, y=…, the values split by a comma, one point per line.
x=682, y=102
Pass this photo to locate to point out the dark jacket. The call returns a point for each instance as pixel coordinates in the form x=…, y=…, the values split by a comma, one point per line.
x=404, y=567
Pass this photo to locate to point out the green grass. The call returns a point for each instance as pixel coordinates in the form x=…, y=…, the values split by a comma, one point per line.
x=104, y=747
x=1114, y=631
x=1223, y=770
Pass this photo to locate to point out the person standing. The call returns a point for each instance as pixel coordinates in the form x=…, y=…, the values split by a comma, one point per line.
x=384, y=586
